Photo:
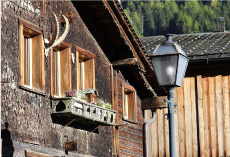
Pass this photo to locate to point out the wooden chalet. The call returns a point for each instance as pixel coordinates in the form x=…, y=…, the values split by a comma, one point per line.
x=101, y=57
x=202, y=126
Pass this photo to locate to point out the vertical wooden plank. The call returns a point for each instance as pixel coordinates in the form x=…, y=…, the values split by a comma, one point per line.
x=225, y=86
x=135, y=105
x=161, y=135
x=93, y=79
x=112, y=86
x=194, y=119
x=113, y=107
x=176, y=126
x=188, y=120
x=200, y=115
x=180, y=98
x=65, y=70
x=88, y=74
x=219, y=107
x=166, y=129
x=37, y=63
x=155, y=147
x=77, y=70
x=131, y=106
x=212, y=115
x=206, y=115
x=21, y=54
x=148, y=115
x=69, y=67
x=116, y=108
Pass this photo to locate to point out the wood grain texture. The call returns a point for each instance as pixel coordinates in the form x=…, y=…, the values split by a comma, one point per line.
x=166, y=133
x=65, y=69
x=225, y=86
x=202, y=126
x=160, y=121
x=211, y=91
x=219, y=111
x=29, y=153
x=180, y=98
x=38, y=63
x=177, y=152
x=200, y=115
x=194, y=119
x=188, y=120
x=206, y=115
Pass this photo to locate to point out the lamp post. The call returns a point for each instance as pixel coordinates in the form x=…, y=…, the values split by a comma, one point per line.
x=170, y=64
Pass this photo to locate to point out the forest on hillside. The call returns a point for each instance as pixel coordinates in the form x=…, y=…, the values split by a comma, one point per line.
x=177, y=17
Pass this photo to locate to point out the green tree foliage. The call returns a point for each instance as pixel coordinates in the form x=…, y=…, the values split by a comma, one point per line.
x=169, y=16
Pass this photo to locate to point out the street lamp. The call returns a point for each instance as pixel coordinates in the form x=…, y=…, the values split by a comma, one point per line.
x=170, y=64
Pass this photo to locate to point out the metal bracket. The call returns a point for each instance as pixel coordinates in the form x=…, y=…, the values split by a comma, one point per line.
x=168, y=101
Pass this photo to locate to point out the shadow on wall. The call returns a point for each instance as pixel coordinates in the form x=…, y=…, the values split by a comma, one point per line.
x=77, y=124
x=7, y=144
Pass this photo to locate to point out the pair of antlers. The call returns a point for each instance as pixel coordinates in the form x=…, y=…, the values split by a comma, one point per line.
x=55, y=40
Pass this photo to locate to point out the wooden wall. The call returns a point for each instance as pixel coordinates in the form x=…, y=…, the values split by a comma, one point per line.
x=202, y=125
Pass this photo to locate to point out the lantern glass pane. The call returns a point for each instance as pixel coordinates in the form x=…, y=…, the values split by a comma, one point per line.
x=182, y=66
x=165, y=68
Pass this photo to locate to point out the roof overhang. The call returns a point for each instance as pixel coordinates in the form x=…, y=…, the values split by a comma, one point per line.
x=110, y=27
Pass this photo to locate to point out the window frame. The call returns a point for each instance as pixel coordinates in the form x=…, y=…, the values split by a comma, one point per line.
x=133, y=92
x=84, y=55
x=35, y=34
x=61, y=48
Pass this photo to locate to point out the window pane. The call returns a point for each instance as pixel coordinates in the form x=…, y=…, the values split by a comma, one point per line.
x=82, y=75
x=57, y=73
x=27, y=58
x=126, y=106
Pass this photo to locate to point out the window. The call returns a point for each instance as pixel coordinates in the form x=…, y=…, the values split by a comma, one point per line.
x=31, y=47
x=129, y=103
x=60, y=67
x=85, y=69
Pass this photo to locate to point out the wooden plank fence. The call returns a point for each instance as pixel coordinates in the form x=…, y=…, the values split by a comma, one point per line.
x=202, y=119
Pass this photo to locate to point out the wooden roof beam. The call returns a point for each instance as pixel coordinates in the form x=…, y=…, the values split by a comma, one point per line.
x=154, y=103
x=128, y=61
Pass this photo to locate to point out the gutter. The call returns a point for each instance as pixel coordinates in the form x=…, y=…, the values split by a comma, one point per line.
x=150, y=121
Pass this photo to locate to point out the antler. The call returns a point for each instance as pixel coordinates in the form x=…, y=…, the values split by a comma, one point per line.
x=55, y=41
x=56, y=32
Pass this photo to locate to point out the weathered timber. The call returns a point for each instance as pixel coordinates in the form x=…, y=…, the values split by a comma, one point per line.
x=200, y=115
x=128, y=61
x=70, y=146
x=35, y=154
x=89, y=113
x=154, y=103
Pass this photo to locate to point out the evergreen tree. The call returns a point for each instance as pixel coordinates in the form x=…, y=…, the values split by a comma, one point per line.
x=161, y=17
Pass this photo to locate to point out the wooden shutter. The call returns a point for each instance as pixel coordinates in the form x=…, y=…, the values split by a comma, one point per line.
x=65, y=61
x=131, y=106
x=38, y=78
